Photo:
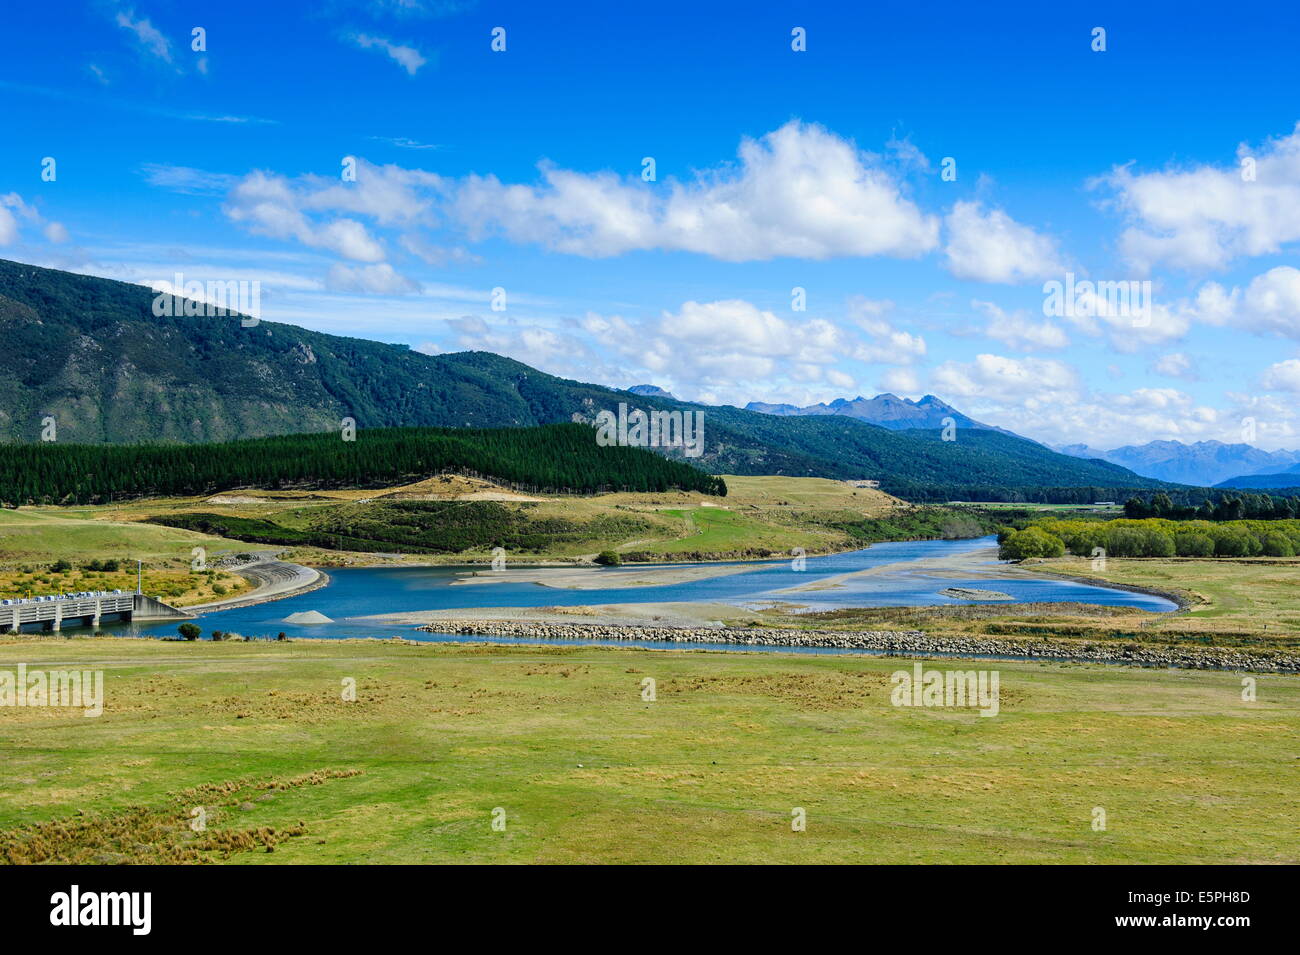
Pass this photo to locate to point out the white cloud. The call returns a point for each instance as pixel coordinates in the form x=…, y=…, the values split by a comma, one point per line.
x=1027, y=382
x=407, y=57
x=1050, y=402
x=992, y=247
x=8, y=227
x=1018, y=330
x=1175, y=365
x=841, y=380
x=1205, y=216
x=13, y=211
x=437, y=255
x=188, y=180
x=885, y=344
x=1133, y=320
x=734, y=351
x=149, y=36
x=901, y=381
x=1283, y=376
x=800, y=191
x=1269, y=305
x=377, y=279
x=268, y=205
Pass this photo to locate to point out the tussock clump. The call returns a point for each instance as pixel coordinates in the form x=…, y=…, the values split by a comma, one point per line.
x=158, y=835
x=817, y=691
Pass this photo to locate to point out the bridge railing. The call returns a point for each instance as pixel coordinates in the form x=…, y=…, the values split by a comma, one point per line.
x=34, y=611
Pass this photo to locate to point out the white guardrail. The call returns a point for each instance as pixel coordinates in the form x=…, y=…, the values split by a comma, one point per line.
x=18, y=611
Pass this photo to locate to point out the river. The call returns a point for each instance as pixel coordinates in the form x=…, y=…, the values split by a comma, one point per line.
x=360, y=592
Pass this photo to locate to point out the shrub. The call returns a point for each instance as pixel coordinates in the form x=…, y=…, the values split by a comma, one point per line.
x=1031, y=542
x=190, y=631
x=1277, y=545
x=608, y=558
x=1193, y=544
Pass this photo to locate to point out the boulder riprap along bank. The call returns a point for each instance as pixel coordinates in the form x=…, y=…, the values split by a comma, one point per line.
x=891, y=642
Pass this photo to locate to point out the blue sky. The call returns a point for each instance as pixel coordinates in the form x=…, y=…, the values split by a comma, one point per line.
x=819, y=169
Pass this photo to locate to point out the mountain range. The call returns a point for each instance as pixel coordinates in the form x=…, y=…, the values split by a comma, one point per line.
x=1266, y=480
x=1204, y=464
x=90, y=354
x=887, y=411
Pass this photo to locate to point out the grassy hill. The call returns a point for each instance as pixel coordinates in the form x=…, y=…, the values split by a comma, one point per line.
x=90, y=353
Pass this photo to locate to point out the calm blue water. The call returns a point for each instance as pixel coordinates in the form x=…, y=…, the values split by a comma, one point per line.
x=361, y=592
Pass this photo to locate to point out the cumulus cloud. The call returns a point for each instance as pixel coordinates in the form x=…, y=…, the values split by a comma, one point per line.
x=1126, y=313
x=1283, y=376
x=407, y=57
x=1017, y=330
x=556, y=350
x=1268, y=305
x=1051, y=402
x=990, y=246
x=883, y=343
x=732, y=350
x=270, y=205
x=800, y=191
x=1028, y=382
x=1175, y=365
x=1204, y=216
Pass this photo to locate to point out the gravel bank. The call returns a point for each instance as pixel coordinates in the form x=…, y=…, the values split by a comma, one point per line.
x=272, y=580
x=891, y=642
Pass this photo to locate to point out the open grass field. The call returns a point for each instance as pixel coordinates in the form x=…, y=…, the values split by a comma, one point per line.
x=585, y=770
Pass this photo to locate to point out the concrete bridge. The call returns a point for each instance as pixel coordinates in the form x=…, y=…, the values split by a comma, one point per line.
x=88, y=611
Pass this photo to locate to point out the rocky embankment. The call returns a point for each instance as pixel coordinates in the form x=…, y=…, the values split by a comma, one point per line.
x=892, y=642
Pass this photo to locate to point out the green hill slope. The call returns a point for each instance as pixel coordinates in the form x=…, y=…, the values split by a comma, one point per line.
x=557, y=458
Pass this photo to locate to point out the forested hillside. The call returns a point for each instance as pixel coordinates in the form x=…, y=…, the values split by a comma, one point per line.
x=553, y=458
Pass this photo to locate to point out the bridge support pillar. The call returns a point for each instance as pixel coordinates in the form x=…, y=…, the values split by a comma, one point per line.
x=98, y=612
x=58, y=617
x=17, y=622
